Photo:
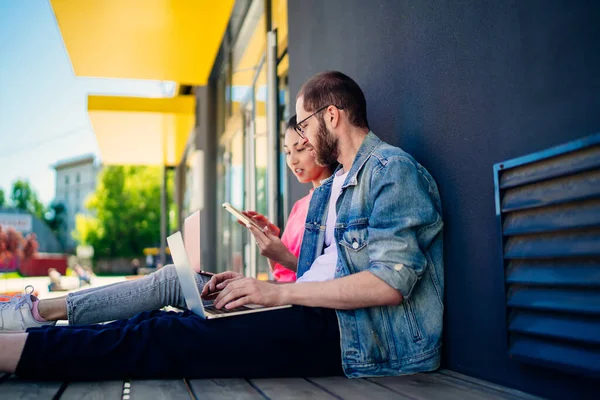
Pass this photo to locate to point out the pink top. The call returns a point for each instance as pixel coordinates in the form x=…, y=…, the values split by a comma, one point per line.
x=292, y=237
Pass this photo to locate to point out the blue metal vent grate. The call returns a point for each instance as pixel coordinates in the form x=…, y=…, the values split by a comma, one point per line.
x=548, y=208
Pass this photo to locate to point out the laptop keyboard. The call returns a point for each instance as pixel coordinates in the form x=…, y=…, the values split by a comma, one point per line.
x=214, y=310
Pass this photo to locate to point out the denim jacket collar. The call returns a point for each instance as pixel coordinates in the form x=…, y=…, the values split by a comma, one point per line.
x=367, y=147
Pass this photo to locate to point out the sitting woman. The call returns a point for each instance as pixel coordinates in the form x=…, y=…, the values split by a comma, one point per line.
x=286, y=250
x=125, y=299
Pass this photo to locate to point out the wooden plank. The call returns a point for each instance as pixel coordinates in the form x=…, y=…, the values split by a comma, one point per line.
x=474, y=381
x=356, y=388
x=290, y=388
x=433, y=386
x=170, y=389
x=224, y=389
x=93, y=390
x=14, y=388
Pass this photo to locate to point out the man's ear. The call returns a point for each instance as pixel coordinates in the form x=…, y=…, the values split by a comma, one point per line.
x=334, y=116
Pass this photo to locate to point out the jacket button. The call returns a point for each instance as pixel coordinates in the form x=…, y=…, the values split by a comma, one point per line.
x=355, y=245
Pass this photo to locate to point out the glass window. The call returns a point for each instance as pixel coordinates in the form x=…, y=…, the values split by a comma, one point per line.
x=234, y=235
x=66, y=179
x=248, y=190
x=242, y=158
x=285, y=111
x=77, y=178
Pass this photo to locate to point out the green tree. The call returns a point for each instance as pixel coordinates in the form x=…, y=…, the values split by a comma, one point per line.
x=25, y=198
x=87, y=230
x=126, y=208
x=56, y=216
x=2, y=198
x=56, y=219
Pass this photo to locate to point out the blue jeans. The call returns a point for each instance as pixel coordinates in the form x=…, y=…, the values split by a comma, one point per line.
x=296, y=341
x=125, y=299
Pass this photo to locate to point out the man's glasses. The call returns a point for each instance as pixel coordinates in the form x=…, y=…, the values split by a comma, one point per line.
x=300, y=129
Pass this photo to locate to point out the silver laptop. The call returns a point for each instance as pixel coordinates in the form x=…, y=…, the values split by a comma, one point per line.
x=190, y=289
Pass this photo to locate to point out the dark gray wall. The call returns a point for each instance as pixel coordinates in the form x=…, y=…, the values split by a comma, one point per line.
x=462, y=85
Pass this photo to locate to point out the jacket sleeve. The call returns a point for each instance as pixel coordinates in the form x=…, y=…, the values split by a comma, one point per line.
x=403, y=222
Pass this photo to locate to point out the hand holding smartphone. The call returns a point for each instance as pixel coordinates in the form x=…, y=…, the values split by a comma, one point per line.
x=238, y=214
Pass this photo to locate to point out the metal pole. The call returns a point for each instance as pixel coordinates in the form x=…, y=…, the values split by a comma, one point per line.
x=251, y=190
x=163, y=216
x=272, y=129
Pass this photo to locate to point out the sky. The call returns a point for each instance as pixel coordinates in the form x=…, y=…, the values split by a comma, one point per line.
x=43, y=106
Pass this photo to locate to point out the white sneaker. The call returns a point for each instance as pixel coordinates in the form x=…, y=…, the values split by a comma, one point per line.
x=16, y=315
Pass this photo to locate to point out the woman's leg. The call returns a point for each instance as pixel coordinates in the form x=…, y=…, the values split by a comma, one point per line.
x=119, y=300
x=295, y=341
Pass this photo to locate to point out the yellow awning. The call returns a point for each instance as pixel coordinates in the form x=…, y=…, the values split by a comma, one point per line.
x=174, y=40
x=141, y=131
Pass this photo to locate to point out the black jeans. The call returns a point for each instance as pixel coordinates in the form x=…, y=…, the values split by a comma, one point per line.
x=297, y=341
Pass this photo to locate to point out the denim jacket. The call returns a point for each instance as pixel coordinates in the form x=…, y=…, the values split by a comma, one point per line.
x=388, y=223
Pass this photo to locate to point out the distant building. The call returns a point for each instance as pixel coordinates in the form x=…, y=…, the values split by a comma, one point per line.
x=75, y=179
x=24, y=222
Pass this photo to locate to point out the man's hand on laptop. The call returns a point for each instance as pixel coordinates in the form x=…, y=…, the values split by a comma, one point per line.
x=241, y=291
x=218, y=282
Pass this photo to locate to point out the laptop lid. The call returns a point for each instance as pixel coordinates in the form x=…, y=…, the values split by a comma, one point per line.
x=191, y=240
x=185, y=275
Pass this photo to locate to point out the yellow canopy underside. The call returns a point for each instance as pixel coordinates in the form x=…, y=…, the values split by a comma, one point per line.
x=174, y=40
x=141, y=131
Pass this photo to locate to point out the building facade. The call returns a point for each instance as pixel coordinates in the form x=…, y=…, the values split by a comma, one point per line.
x=462, y=86
x=76, y=178
x=459, y=86
x=25, y=223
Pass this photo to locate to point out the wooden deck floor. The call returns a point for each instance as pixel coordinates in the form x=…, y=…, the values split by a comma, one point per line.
x=439, y=385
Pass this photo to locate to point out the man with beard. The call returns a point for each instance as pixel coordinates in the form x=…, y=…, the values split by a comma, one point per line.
x=367, y=302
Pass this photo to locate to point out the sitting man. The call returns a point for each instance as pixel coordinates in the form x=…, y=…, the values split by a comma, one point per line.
x=368, y=300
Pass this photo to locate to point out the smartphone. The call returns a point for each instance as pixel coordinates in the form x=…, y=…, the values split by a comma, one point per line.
x=238, y=214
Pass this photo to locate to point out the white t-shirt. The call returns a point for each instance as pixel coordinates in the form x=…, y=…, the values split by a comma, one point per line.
x=323, y=268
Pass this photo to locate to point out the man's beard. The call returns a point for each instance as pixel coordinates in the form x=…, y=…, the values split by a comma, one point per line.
x=326, y=149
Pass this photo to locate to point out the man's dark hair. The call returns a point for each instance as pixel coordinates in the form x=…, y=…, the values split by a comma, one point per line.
x=337, y=89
